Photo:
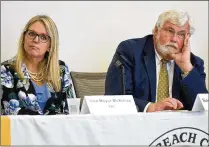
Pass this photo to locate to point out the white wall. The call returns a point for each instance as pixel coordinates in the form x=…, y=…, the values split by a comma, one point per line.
x=90, y=31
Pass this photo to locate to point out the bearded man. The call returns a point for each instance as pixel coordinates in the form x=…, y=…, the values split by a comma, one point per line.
x=159, y=70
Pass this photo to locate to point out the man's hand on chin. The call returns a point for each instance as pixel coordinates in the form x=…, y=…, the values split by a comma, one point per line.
x=182, y=58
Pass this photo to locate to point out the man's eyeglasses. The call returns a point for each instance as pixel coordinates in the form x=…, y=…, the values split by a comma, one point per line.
x=170, y=32
x=41, y=37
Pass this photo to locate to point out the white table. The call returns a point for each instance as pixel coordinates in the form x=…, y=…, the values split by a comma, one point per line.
x=163, y=128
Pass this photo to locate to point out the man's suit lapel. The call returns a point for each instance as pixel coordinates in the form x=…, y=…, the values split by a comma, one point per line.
x=176, y=82
x=149, y=59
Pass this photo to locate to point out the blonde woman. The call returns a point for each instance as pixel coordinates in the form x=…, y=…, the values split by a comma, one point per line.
x=36, y=82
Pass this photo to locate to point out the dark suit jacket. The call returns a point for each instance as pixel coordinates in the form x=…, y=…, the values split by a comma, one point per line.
x=140, y=75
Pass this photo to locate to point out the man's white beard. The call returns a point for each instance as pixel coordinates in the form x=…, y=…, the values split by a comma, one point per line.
x=166, y=49
x=163, y=49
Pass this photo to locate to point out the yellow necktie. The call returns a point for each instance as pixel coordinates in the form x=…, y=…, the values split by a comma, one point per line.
x=163, y=87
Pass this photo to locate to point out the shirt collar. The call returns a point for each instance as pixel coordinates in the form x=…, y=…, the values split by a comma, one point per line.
x=158, y=58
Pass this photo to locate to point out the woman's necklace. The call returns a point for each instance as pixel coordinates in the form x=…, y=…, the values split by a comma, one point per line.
x=36, y=76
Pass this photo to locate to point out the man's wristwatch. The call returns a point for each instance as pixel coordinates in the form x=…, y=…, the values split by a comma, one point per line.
x=184, y=74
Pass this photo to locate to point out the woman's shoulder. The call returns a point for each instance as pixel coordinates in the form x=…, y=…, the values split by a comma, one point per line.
x=8, y=64
x=7, y=73
x=10, y=61
x=63, y=66
x=62, y=63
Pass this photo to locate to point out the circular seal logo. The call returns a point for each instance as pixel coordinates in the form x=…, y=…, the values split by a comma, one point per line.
x=182, y=136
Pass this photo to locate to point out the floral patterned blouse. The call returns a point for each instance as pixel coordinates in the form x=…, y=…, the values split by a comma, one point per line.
x=18, y=96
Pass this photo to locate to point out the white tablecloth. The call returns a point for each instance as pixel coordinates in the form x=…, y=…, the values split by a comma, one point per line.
x=163, y=128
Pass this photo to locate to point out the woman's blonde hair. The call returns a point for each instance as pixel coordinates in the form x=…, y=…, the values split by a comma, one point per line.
x=51, y=63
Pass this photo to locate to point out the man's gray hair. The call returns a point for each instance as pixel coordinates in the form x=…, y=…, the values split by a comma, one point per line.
x=176, y=17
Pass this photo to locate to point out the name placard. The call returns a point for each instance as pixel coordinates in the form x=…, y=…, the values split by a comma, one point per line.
x=109, y=104
x=201, y=102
